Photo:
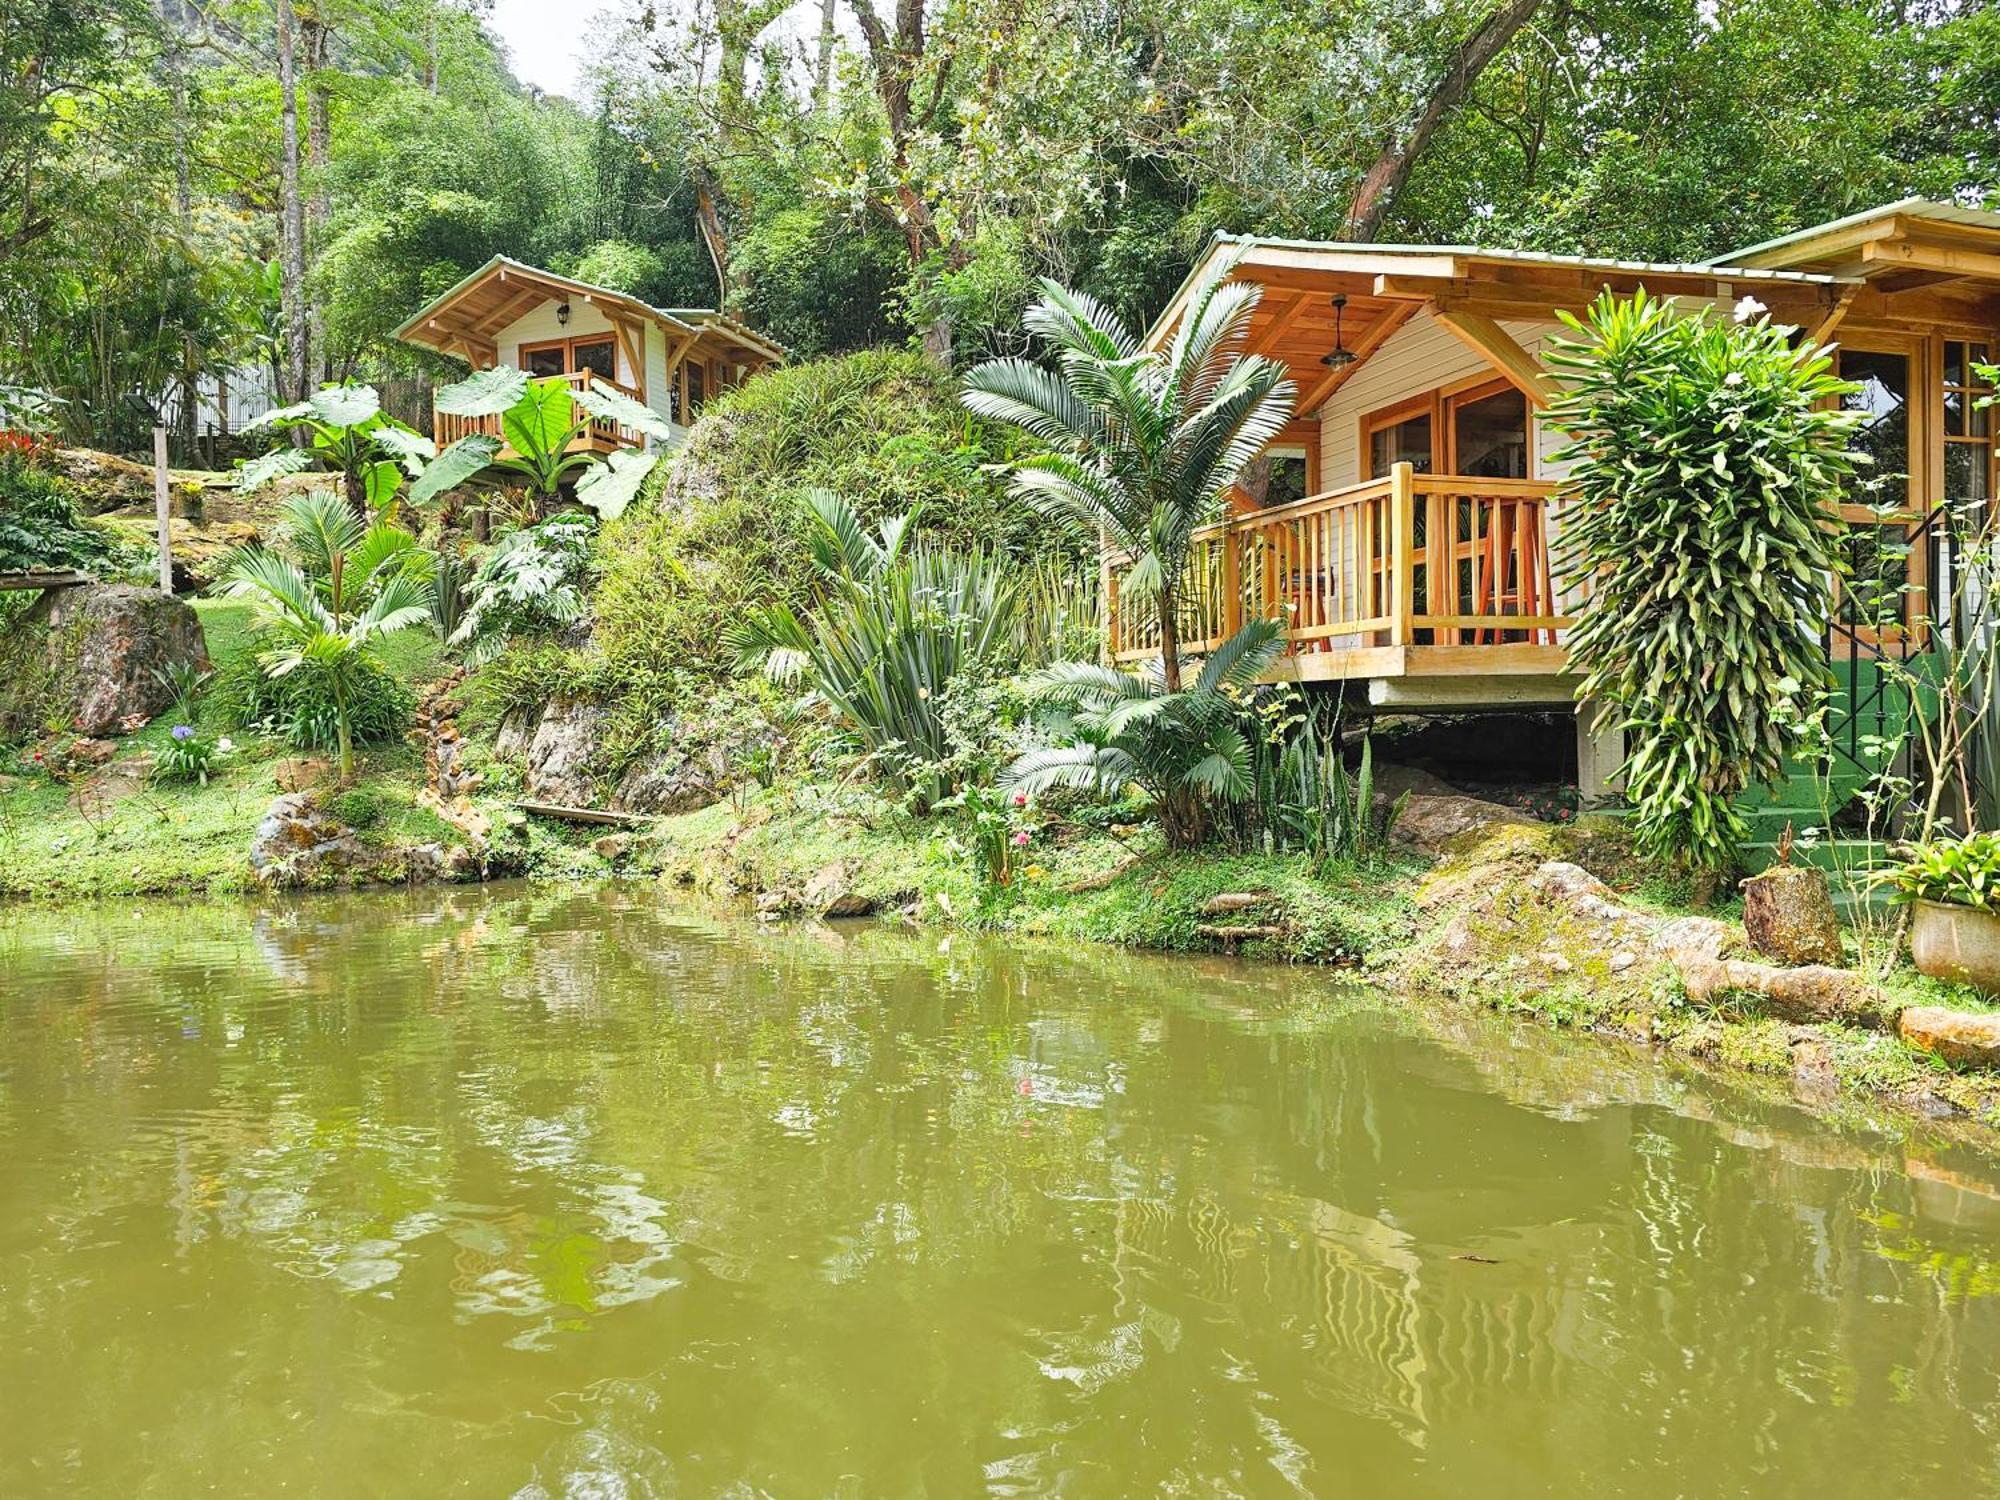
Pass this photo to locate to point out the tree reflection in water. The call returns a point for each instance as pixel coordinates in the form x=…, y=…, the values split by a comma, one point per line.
x=513, y=1188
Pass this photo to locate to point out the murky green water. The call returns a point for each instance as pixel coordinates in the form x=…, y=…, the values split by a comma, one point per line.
x=499, y=1192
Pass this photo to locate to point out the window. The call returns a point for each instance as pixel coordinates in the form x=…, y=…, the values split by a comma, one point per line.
x=1481, y=430
x=1881, y=587
x=1400, y=434
x=597, y=356
x=1968, y=427
x=594, y=352
x=542, y=360
x=1489, y=433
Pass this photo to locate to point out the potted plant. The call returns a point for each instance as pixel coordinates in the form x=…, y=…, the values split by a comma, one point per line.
x=1953, y=886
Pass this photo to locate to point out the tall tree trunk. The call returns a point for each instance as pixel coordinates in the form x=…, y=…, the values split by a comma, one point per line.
x=823, y=62
x=291, y=213
x=1392, y=168
x=175, y=64
x=316, y=41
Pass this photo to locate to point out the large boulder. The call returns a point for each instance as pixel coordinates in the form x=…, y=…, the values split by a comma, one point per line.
x=563, y=752
x=1431, y=822
x=110, y=648
x=300, y=843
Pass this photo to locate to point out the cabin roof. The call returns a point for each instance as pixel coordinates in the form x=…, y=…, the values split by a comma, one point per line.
x=480, y=304
x=1800, y=244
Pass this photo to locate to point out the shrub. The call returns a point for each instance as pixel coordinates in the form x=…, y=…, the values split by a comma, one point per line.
x=359, y=807
x=300, y=705
x=41, y=525
x=1955, y=872
x=723, y=528
x=896, y=625
x=1706, y=462
x=528, y=583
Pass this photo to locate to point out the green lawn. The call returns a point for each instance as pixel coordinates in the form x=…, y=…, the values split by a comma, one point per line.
x=115, y=833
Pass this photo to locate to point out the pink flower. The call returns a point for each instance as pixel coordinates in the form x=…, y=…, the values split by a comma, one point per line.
x=1025, y=1086
x=1021, y=839
x=1020, y=799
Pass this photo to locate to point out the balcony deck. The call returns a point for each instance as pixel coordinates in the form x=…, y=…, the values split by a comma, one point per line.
x=601, y=436
x=1432, y=589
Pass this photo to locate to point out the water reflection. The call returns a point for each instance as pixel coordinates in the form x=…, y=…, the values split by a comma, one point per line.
x=545, y=1192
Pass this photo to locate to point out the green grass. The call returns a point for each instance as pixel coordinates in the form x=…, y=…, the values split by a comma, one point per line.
x=59, y=839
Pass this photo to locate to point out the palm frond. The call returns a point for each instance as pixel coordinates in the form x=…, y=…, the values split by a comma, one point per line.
x=1103, y=769
x=1238, y=660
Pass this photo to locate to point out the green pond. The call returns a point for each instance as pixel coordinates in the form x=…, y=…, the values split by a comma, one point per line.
x=533, y=1192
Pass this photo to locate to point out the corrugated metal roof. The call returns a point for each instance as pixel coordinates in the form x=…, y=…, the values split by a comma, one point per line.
x=1908, y=208
x=1535, y=258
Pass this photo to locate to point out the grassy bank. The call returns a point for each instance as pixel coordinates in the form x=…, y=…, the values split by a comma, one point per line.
x=111, y=830
x=1473, y=926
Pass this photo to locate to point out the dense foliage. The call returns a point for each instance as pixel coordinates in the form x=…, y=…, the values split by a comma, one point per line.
x=725, y=529
x=325, y=599
x=1140, y=445
x=41, y=526
x=896, y=626
x=1707, y=459
x=907, y=173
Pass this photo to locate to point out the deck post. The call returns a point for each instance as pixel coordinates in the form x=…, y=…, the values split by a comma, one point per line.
x=1232, y=580
x=1402, y=551
x=1600, y=750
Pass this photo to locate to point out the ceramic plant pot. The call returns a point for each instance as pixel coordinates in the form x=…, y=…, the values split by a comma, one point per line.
x=1960, y=943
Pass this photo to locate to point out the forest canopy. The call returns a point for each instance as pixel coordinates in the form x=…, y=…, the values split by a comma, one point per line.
x=190, y=186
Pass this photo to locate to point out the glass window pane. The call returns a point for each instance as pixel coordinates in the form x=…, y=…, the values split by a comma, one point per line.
x=1965, y=471
x=540, y=362
x=1954, y=363
x=596, y=358
x=1490, y=436
x=1407, y=442
x=1884, y=436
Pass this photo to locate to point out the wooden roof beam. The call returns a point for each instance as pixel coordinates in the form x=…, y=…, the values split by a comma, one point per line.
x=1499, y=348
x=1904, y=255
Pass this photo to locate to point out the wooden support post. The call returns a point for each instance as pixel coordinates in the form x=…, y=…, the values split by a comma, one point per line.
x=162, y=504
x=1402, y=551
x=1232, y=580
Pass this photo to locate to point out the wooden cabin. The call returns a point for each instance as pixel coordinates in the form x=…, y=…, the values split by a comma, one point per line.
x=1402, y=526
x=672, y=359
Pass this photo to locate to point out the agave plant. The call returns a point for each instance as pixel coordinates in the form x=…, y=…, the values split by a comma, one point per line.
x=350, y=434
x=330, y=597
x=540, y=420
x=1140, y=443
x=895, y=624
x=1184, y=747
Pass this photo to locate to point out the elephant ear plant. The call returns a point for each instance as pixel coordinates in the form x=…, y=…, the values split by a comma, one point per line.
x=349, y=433
x=1707, y=463
x=539, y=420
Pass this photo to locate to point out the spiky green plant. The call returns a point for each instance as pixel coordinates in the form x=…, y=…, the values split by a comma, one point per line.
x=1707, y=461
x=1184, y=747
x=894, y=624
x=1140, y=444
x=330, y=597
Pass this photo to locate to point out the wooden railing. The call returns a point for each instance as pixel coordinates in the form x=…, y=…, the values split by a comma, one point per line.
x=1409, y=559
x=602, y=432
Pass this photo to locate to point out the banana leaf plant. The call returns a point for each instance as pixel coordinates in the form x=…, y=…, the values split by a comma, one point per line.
x=348, y=433
x=539, y=420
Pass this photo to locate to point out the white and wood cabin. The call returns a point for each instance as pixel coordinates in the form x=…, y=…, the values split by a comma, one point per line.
x=507, y=314
x=1402, y=532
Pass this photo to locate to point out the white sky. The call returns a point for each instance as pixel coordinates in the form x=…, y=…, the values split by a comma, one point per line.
x=545, y=39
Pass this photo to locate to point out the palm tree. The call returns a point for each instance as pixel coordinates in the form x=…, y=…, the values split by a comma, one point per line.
x=1141, y=443
x=1185, y=748
x=343, y=588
